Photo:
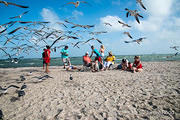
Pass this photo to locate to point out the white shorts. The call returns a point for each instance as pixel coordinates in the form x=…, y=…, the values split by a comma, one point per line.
x=107, y=64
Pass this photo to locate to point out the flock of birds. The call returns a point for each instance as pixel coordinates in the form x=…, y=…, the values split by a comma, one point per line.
x=33, y=35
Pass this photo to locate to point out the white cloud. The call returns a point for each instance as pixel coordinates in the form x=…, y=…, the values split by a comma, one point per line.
x=52, y=17
x=77, y=13
x=113, y=20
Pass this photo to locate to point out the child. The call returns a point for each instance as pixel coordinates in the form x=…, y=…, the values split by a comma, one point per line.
x=47, y=58
x=129, y=68
x=124, y=64
x=137, y=66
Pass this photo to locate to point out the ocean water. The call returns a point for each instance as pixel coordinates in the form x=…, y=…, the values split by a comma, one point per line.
x=37, y=62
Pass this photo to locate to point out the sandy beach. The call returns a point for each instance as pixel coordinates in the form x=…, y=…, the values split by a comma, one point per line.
x=108, y=95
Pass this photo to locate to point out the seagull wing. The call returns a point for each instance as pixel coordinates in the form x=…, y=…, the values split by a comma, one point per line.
x=12, y=86
x=14, y=30
x=136, y=17
x=127, y=41
x=21, y=6
x=142, y=5
x=99, y=41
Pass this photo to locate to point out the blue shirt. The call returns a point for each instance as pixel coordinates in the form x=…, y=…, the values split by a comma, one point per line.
x=97, y=53
x=64, y=52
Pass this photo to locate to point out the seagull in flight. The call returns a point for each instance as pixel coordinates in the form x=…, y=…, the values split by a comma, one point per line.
x=123, y=24
x=133, y=13
x=141, y=4
x=19, y=16
x=93, y=39
x=138, y=40
x=9, y=3
x=107, y=24
x=128, y=34
x=175, y=47
x=77, y=3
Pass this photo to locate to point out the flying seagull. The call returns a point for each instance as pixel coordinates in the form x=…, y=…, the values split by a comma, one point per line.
x=9, y=3
x=123, y=24
x=138, y=40
x=77, y=3
x=133, y=13
x=175, y=47
x=93, y=39
x=19, y=16
x=107, y=24
x=16, y=30
x=128, y=34
x=141, y=4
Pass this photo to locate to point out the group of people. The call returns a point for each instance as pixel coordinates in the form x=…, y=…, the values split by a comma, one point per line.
x=99, y=63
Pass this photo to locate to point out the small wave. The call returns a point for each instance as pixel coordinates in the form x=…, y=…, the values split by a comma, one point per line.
x=31, y=63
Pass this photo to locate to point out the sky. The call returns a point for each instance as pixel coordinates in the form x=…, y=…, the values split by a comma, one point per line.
x=160, y=25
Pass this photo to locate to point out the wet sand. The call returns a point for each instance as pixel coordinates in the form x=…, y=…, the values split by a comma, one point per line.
x=108, y=95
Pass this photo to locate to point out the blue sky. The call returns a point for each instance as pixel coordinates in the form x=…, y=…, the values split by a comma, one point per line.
x=161, y=24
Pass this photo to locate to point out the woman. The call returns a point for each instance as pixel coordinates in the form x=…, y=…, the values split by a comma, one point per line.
x=101, y=51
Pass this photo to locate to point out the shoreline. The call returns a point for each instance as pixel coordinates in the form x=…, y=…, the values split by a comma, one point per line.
x=51, y=66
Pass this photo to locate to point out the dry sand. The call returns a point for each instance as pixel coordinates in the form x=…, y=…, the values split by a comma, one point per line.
x=108, y=95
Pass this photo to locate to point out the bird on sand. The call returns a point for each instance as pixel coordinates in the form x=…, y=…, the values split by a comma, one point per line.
x=71, y=78
x=175, y=47
x=19, y=16
x=133, y=13
x=9, y=3
x=128, y=34
x=1, y=115
x=124, y=24
x=141, y=4
x=22, y=78
x=138, y=40
x=4, y=90
x=23, y=86
x=77, y=3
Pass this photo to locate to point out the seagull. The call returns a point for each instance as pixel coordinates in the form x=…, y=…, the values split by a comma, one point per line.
x=77, y=25
x=175, y=47
x=1, y=115
x=19, y=16
x=9, y=3
x=123, y=24
x=77, y=43
x=71, y=78
x=138, y=40
x=21, y=93
x=107, y=24
x=133, y=13
x=176, y=54
x=16, y=30
x=128, y=34
x=96, y=33
x=4, y=90
x=23, y=86
x=140, y=2
x=61, y=24
x=77, y=3
x=93, y=39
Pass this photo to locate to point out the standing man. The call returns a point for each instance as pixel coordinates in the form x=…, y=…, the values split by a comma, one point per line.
x=47, y=58
x=98, y=57
x=64, y=56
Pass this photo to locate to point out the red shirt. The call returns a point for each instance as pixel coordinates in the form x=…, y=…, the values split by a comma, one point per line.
x=86, y=59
